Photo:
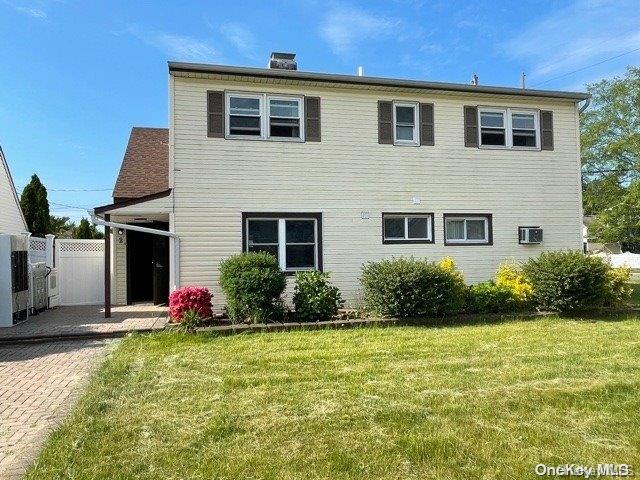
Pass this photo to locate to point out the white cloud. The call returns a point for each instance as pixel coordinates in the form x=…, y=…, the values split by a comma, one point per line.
x=34, y=9
x=177, y=47
x=240, y=37
x=344, y=28
x=576, y=37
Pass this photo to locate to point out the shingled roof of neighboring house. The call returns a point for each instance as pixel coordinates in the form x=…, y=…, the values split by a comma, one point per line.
x=145, y=166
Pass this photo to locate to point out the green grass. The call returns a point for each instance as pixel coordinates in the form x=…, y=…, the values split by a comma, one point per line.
x=487, y=401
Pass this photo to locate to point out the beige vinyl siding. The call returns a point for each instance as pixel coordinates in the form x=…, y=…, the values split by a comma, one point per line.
x=11, y=220
x=348, y=172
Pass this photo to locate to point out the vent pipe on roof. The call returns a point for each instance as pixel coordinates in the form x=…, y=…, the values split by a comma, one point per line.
x=283, y=61
x=474, y=80
x=360, y=71
x=522, y=80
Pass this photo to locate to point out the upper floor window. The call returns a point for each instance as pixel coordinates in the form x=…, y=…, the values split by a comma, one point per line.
x=245, y=115
x=263, y=116
x=509, y=128
x=405, y=123
x=284, y=117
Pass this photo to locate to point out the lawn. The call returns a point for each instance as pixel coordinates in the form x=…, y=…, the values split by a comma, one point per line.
x=488, y=401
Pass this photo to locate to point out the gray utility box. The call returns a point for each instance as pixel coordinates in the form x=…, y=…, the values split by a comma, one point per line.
x=38, y=287
x=14, y=279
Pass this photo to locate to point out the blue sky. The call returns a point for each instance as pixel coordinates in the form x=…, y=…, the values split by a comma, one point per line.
x=75, y=76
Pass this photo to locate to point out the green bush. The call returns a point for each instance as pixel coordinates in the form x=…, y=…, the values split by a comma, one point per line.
x=569, y=281
x=405, y=287
x=490, y=297
x=253, y=284
x=618, y=290
x=190, y=321
x=314, y=297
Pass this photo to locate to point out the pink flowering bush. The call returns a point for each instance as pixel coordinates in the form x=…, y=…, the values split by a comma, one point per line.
x=184, y=299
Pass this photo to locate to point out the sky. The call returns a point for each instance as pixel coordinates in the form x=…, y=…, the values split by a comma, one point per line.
x=75, y=76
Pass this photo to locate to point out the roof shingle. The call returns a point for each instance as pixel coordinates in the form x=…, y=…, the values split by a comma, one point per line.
x=145, y=166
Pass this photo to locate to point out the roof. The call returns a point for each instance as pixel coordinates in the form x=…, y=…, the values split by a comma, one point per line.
x=130, y=202
x=178, y=68
x=12, y=186
x=145, y=166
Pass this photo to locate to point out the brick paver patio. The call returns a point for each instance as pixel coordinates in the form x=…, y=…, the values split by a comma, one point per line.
x=38, y=385
x=88, y=320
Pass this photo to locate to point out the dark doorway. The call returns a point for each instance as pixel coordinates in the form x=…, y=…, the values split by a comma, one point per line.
x=148, y=265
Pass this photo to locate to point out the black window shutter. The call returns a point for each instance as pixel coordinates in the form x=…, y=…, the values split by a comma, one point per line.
x=426, y=124
x=546, y=129
x=470, y=126
x=312, y=119
x=385, y=122
x=215, y=114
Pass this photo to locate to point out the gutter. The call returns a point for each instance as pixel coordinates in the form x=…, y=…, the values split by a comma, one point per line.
x=124, y=226
x=201, y=68
x=587, y=102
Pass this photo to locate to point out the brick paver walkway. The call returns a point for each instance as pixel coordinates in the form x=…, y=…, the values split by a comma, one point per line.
x=38, y=385
x=88, y=320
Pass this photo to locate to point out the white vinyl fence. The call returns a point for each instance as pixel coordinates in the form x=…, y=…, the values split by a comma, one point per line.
x=80, y=271
x=37, y=249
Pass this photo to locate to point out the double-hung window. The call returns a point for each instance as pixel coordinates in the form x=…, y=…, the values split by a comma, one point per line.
x=405, y=123
x=245, y=115
x=407, y=228
x=284, y=117
x=264, y=117
x=460, y=229
x=509, y=128
x=294, y=239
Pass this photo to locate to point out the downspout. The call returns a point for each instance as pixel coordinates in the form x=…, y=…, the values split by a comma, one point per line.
x=176, y=240
x=587, y=102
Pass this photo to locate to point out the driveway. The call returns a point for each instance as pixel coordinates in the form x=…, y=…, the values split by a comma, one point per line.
x=39, y=383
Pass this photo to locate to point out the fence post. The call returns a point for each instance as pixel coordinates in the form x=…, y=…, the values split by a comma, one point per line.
x=49, y=255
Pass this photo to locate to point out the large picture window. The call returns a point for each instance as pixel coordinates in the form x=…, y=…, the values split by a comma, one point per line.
x=294, y=239
x=407, y=228
x=468, y=229
x=509, y=128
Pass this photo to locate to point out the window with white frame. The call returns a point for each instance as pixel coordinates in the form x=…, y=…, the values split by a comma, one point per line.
x=407, y=228
x=524, y=130
x=509, y=128
x=245, y=115
x=264, y=117
x=293, y=240
x=284, y=117
x=493, y=128
x=467, y=229
x=405, y=123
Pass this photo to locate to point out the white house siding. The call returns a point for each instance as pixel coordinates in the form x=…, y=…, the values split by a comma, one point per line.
x=349, y=172
x=11, y=220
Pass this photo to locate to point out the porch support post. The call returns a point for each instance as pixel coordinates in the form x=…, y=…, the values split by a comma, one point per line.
x=107, y=268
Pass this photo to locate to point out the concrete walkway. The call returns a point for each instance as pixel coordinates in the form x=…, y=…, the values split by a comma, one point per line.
x=87, y=322
x=39, y=383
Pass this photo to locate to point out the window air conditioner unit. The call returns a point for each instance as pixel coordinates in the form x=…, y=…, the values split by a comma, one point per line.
x=529, y=235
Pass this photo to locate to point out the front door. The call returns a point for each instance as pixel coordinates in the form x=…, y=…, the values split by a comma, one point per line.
x=160, y=269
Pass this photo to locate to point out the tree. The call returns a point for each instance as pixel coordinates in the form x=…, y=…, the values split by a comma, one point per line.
x=610, y=130
x=621, y=221
x=61, y=226
x=610, y=139
x=86, y=230
x=35, y=207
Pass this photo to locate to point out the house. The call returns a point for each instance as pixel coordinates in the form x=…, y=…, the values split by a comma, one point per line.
x=331, y=171
x=12, y=220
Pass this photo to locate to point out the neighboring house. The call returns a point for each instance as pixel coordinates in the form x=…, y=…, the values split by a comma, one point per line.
x=11, y=218
x=332, y=171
